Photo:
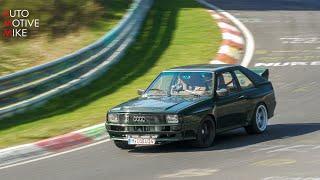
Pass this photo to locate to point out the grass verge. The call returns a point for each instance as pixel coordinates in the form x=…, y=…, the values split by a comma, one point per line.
x=65, y=26
x=176, y=32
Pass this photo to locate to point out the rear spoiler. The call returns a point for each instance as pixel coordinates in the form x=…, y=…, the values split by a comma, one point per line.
x=263, y=72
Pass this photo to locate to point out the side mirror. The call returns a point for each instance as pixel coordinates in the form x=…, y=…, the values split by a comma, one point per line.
x=222, y=92
x=140, y=91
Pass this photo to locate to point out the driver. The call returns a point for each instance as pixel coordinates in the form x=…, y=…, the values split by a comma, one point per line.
x=194, y=83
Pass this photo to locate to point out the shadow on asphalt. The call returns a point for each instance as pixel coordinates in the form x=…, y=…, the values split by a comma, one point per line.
x=237, y=138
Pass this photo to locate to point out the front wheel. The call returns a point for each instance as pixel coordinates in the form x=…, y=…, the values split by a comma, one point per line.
x=205, y=133
x=259, y=120
x=124, y=145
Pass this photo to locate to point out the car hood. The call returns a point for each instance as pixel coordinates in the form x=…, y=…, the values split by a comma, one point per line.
x=172, y=104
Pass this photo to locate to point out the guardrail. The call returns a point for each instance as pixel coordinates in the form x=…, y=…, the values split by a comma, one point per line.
x=22, y=89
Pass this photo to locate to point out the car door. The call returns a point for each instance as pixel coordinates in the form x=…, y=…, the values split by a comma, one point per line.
x=247, y=94
x=229, y=110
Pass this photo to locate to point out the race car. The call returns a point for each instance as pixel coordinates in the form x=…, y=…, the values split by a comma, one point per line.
x=194, y=103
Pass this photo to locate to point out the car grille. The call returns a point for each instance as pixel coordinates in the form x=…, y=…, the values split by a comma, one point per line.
x=142, y=119
x=144, y=128
x=142, y=123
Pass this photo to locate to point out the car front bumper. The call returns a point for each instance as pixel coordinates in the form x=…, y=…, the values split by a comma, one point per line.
x=162, y=133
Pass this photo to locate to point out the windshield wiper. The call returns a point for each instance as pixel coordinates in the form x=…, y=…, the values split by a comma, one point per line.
x=156, y=89
x=193, y=93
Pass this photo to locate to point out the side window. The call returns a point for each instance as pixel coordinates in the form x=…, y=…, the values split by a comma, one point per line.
x=226, y=81
x=244, y=81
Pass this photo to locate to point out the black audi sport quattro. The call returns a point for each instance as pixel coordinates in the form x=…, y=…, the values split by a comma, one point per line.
x=194, y=103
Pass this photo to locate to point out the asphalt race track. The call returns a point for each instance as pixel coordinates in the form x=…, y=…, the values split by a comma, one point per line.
x=286, y=32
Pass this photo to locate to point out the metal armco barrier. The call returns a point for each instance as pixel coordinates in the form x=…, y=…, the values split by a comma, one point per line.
x=35, y=85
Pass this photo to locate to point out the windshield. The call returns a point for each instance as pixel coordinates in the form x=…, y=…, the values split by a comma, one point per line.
x=182, y=84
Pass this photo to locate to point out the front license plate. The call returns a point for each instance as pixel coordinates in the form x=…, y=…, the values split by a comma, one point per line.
x=141, y=141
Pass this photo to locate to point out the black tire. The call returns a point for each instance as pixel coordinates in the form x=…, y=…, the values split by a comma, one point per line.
x=123, y=145
x=205, y=134
x=256, y=126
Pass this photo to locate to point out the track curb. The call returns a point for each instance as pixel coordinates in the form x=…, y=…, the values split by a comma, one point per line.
x=236, y=40
x=233, y=43
x=52, y=145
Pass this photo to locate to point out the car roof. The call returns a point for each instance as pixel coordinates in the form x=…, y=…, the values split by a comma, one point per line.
x=202, y=67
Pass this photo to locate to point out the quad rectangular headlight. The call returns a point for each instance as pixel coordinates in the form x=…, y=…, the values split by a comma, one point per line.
x=172, y=119
x=113, y=118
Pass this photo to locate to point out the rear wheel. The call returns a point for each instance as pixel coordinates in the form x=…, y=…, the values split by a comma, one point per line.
x=124, y=145
x=259, y=120
x=205, y=133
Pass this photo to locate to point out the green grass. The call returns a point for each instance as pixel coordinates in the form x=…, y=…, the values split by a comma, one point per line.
x=65, y=26
x=176, y=32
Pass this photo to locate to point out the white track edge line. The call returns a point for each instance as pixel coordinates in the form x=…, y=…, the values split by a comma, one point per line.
x=54, y=155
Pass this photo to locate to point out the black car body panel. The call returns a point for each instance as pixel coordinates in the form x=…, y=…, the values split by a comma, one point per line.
x=147, y=115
